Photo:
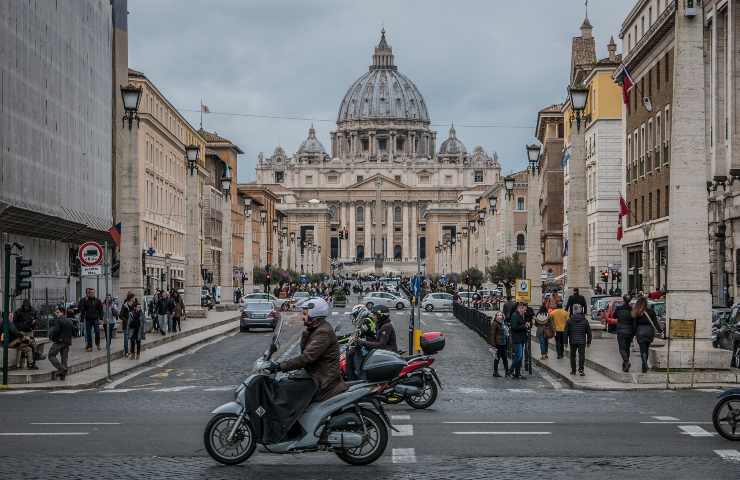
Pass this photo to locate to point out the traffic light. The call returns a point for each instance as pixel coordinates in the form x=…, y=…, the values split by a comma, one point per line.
x=22, y=274
x=162, y=277
x=605, y=276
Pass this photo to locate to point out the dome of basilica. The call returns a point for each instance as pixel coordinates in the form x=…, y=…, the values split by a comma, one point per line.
x=383, y=92
x=453, y=145
x=311, y=145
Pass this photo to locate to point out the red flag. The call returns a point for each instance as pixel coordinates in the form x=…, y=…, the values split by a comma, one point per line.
x=115, y=233
x=620, y=232
x=623, y=77
x=624, y=210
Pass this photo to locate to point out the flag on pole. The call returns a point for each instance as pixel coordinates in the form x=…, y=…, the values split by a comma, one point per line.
x=624, y=210
x=622, y=76
x=115, y=233
x=204, y=108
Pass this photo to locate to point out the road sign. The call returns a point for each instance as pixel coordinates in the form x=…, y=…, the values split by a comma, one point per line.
x=90, y=254
x=523, y=290
x=682, y=328
x=416, y=284
x=91, y=271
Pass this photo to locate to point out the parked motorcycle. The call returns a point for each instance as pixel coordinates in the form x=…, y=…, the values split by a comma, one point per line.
x=726, y=414
x=280, y=415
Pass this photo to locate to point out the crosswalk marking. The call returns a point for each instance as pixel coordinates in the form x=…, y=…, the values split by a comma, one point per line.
x=175, y=389
x=469, y=390
x=502, y=433
x=695, y=431
x=122, y=390
x=400, y=417
x=220, y=389
x=666, y=419
x=404, y=455
x=520, y=390
x=403, y=431
x=62, y=392
x=16, y=392
x=733, y=455
x=497, y=423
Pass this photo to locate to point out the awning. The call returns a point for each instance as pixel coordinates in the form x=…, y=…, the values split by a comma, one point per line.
x=78, y=227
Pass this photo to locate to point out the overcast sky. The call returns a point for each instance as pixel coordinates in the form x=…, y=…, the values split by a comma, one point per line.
x=490, y=62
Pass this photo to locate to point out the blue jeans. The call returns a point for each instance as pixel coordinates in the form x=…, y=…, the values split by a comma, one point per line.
x=518, y=356
x=544, y=345
x=90, y=326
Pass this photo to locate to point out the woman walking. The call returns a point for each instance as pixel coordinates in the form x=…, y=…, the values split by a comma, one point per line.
x=647, y=326
x=125, y=315
x=545, y=330
x=500, y=338
x=135, y=323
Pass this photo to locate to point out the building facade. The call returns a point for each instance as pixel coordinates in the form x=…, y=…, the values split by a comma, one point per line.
x=381, y=175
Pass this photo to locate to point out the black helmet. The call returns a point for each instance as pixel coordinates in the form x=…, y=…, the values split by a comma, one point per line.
x=381, y=312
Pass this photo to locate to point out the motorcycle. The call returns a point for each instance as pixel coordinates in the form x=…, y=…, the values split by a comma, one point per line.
x=726, y=414
x=352, y=424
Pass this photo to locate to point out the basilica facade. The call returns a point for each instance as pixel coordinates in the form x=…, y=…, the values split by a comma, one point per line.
x=380, y=198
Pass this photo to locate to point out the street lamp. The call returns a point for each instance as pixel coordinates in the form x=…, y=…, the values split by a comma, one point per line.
x=192, y=153
x=263, y=216
x=274, y=225
x=131, y=96
x=509, y=185
x=533, y=154
x=578, y=97
x=492, y=204
x=226, y=181
x=247, y=207
x=292, y=237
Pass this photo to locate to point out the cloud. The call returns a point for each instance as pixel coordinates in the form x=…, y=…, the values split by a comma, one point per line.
x=481, y=61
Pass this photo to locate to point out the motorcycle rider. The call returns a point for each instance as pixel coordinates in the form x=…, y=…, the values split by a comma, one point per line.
x=386, y=336
x=319, y=352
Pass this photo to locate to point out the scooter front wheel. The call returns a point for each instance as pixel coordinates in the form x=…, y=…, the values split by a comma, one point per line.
x=233, y=452
x=726, y=417
x=426, y=397
x=376, y=439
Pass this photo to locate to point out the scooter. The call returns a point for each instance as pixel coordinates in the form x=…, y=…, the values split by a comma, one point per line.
x=352, y=424
x=726, y=414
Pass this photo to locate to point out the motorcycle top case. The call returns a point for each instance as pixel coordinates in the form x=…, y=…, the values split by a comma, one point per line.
x=382, y=365
x=432, y=342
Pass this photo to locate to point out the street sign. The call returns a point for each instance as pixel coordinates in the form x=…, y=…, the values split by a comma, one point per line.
x=91, y=271
x=523, y=290
x=682, y=328
x=90, y=254
x=416, y=284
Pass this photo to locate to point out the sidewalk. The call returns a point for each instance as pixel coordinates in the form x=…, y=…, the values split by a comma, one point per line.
x=88, y=369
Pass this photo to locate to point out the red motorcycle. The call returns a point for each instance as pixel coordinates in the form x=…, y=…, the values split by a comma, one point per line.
x=417, y=384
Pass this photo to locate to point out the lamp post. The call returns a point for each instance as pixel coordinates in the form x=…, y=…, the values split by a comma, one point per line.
x=193, y=266
x=248, y=260
x=577, y=221
x=227, y=266
x=131, y=269
x=534, y=224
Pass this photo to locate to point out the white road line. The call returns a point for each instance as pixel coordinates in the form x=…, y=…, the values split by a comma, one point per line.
x=497, y=423
x=62, y=392
x=469, y=390
x=729, y=454
x=695, y=431
x=220, y=389
x=520, y=390
x=41, y=434
x=674, y=422
x=17, y=392
x=74, y=423
x=403, y=431
x=709, y=390
x=400, y=417
x=665, y=419
x=502, y=433
x=551, y=380
x=174, y=389
x=404, y=455
x=335, y=313
x=122, y=390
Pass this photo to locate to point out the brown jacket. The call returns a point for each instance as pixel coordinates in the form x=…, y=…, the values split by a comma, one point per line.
x=320, y=358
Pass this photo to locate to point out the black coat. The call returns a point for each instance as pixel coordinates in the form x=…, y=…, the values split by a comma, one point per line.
x=626, y=325
x=24, y=318
x=518, y=328
x=578, y=330
x=91, y=309
x=576, y=300
x=647, y=325
x=385, y=338
x=508, y=309
x=62, y=331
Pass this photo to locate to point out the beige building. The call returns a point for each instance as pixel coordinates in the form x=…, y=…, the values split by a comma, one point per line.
x=369, y=197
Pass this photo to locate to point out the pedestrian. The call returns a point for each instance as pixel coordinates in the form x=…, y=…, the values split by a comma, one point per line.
x=110, y=314
x=626, y=326
x=177, y=313
x=545, y=330
x=559, y=319
x=171, y=311
x=646, y=327
x=519, y=327
x=61, y=336
x=576, y=299
x=152, y=310
x=135, y=325
x=500, y=339
x=25, y=319
x=23, y=344
x=91, y=312
x=162, y=311
x=578, y=331
x=509, y=308
x=124, y=315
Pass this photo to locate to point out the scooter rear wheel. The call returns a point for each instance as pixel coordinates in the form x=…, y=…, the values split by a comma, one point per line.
x=426, y=397
x=374, y=445
x=726, y=417
x=220, y=449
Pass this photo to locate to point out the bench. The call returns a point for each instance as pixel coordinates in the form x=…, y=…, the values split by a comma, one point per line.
x=41, y=343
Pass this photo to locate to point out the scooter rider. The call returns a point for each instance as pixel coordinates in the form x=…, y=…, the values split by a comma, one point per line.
x=386, y=336
x=319, y=352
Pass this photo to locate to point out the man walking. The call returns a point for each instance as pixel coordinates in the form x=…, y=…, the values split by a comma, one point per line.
x=91, y=312
x=579, y=336
x=626, y=329
x=61, y=336
x=162, y=312
x=576, y=299
x=559, y=319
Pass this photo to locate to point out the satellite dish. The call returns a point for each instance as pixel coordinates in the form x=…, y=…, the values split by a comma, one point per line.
x=647, y=103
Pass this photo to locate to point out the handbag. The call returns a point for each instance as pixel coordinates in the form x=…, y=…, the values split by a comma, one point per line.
x=548, y=331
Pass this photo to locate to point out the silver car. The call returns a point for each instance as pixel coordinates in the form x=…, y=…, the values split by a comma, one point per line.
x=384, y=298
x=278, y=302
x=437, y=301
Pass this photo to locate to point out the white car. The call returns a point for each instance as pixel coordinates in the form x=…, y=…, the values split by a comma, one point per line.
x=437, y=301
x=278, y=302
x=384, y=298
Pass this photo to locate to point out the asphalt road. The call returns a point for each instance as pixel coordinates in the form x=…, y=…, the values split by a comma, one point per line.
x=151, y=424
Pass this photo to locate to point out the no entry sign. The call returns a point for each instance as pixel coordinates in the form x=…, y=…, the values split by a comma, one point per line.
x=90, y=254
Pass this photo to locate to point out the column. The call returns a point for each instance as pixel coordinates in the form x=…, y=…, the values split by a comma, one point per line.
x=131, y=279
x=389, y=231
x=368, y=231
x=392, y=146
x=371, y=143
x=412, y=146
x=263, y=243
x=351, y=228
x=718, y=110
x=414, y=242
x=227, y=269
x=248, y=261
x=689, y=296
x=405, y=248
x=577, y=220
x=193, y=277
x=534, y=227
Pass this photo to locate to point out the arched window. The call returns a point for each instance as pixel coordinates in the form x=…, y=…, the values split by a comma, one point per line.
x=520, y=242
x=397, y=214
x=360, y=215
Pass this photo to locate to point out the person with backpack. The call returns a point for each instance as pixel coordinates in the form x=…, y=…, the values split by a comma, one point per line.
x=545, y=330
x=178, y=312
x=500, y=339
x=578, y=331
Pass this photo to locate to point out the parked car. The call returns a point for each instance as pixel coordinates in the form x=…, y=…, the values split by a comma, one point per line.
x=658, y=307
x=437, y=301
x=608, y=316
x=280, y=303
x=258, y=314
x=600, y=306
x=385, y=298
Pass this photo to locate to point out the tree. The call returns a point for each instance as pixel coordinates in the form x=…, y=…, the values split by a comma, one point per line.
x=474, y=276
x=506, y=271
